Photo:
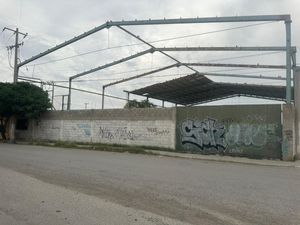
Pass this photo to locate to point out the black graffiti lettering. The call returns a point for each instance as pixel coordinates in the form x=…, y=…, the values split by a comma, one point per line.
x=205, y=134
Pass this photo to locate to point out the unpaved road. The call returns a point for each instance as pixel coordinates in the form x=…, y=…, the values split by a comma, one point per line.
x=41, y=185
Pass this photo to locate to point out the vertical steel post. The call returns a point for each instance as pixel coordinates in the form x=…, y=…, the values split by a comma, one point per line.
x=52, y=95
x=163, y=104
x=297, y=107
x=296, y=104
x=103, y=92
x=16, y=68
x=69, y=98
x=288, y=61
x=62, y=102
x=294, y=70
x=128, y=96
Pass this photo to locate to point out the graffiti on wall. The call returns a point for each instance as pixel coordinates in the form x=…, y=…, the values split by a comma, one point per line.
x=85, y=127
x=247, y=134
x=157, y=132
x=119, y=133
x=209, y=134
x=204, y=134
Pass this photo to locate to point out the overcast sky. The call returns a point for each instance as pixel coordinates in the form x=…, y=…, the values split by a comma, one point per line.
x=51, y=22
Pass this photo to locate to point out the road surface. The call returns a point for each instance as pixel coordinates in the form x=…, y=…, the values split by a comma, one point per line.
x=43, y=185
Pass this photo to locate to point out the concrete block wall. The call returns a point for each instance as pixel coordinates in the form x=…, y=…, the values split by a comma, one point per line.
x=240, y=130
x=260, y=131
x=146, y=127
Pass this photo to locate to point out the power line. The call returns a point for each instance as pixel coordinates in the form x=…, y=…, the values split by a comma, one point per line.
x=81, y=54
x=7, y=40
x=9, y=54
x=117, y=73
x=156, y=41
x=75, y=89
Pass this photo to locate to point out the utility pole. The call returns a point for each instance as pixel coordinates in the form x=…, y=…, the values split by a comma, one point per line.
x=85, y=105
x=16, y=46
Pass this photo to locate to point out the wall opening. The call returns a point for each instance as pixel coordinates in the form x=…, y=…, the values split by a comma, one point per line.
x=22, y=124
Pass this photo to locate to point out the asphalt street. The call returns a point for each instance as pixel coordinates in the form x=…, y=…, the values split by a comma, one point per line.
x=44, y=185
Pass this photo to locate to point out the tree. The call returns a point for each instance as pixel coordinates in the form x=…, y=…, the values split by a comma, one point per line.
x=21, y=100
x=136, y=104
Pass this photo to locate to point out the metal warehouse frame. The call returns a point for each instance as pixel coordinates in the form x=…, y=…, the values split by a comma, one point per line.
x=290, y=51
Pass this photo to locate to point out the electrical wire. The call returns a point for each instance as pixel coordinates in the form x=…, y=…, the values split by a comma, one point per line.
x=117, y=73
x=156, y=41
x=212, y=32
x=81, y=54
x=6, y=42
x=9, y=54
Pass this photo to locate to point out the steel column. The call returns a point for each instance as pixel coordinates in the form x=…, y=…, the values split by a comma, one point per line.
x=288, y=61
x=63, y=102
x=52, y=97
x=103, y=93
x=294, y=72
x=70, y=96
x=128, y=97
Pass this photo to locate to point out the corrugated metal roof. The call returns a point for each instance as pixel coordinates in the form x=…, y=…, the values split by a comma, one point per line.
x=195, y=89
